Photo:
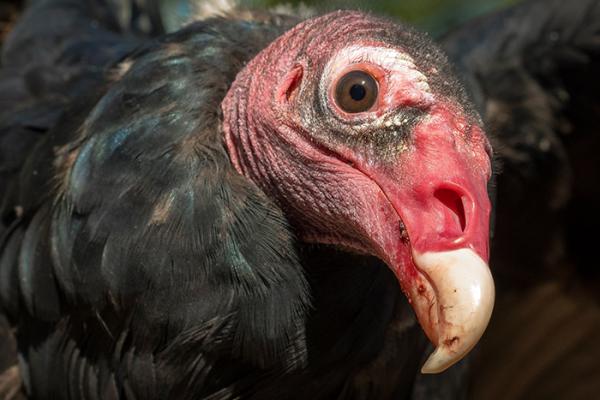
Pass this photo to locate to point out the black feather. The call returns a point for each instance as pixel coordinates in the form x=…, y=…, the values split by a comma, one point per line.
x=146, y=266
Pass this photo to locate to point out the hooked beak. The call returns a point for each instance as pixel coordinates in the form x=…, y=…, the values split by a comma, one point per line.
x=438, y=191
x=456, y=316
x=442, y=267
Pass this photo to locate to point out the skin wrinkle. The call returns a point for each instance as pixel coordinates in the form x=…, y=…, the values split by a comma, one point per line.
x=275, y=62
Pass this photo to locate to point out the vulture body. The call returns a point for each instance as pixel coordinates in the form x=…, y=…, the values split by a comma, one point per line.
x=144, y=258
x=162, y=273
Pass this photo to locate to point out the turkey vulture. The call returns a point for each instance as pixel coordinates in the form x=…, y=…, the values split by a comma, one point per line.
x=175, y=229
x=234, y=210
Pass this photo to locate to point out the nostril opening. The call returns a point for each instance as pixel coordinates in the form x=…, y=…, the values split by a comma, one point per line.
x=453, y=202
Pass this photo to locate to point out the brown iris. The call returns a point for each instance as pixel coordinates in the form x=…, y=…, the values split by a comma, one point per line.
x=356, y=92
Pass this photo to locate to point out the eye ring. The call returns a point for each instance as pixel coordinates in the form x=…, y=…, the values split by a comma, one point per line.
x=356, y=92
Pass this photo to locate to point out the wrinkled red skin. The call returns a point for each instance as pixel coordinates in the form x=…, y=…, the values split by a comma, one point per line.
x=435, y=223
x=435, y=188
x=443, y=158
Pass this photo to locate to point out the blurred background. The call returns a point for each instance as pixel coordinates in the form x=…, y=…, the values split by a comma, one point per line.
x=433, y=16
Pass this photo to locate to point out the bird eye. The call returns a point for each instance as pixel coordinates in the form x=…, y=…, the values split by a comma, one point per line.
x=356, y=92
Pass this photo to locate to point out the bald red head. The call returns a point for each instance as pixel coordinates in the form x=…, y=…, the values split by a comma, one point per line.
x=357, y=127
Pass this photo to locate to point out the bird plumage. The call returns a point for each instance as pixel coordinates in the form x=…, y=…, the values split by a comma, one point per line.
x=137, y=263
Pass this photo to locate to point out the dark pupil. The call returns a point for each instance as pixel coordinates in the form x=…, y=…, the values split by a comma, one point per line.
x=358, y=92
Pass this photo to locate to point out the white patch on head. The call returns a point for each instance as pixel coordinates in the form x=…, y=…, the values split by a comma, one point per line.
x=393, y=61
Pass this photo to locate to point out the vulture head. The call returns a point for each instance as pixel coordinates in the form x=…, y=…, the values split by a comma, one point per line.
x=357, y=127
